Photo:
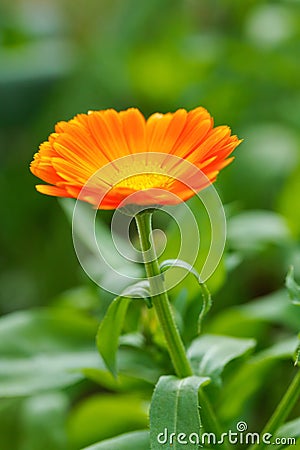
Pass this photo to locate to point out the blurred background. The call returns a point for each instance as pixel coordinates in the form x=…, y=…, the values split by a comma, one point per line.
x=239, y=59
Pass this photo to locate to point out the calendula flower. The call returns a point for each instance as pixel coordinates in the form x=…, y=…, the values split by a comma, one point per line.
x=120, y=157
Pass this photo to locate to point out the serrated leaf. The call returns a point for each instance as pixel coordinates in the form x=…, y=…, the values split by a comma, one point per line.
x=109, y=331
x=175, y=409
x=209, y=354
x=137, y=440
x=206, y=297
x=292, y=287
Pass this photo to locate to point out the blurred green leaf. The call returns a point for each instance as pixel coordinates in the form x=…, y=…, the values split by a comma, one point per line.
x=209, y=354
x=137, y=440
x=292, y=287
x=253, y=231
x=250, y=378
x=96, y=249
x=124, y=382
x=274, y=308
x=43, y=422
x=83, y=298
x=28, y=61
x=171, y=400
x=109, y=331
x=137, y=367
x=268, y=144
x=111, y=326
x=10, y=422
x=288, y=430
x=288, y=201
x=44, y=349
x=196, y=229
x=104, y=416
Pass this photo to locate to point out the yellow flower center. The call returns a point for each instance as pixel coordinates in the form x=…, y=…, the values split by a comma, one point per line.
x=143, y=181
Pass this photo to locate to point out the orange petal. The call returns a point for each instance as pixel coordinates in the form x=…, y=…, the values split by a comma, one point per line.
x=216, y=138
x=197, y=126
x=134, y=128
x=70, y=171
x=163, y=130
x=52, y=190
x=107, y=131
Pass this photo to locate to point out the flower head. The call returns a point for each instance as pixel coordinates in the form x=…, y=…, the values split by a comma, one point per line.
x=119, y=157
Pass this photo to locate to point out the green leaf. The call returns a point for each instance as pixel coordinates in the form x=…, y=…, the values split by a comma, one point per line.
x=175, y=409
x=179, y=263
x=292, y=287
x=209, y=354
x=111, y=326
x=297, y=355
x=109, y=331
x=141, y=289
x=90, y=233
x=273, y=308
x=207, y=304
x=51, y=349
x=45, y=349
x=43, y=422
x=247, y=382
x=124, y=383
x=206, y=297
x=289, y=430
x=138, y=290
x=288, y=200
x=204, y=226
x=10, y=422
x=253, y=231
x=137, y=440
x=104, y=416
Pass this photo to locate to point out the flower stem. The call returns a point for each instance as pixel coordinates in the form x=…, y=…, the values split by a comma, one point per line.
x=165, y=316
x=282, y=411
x=160, y=298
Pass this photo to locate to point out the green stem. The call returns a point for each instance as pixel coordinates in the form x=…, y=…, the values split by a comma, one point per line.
x=165, y=316
x=210, y=420
x=282, y=411
x=160, y=297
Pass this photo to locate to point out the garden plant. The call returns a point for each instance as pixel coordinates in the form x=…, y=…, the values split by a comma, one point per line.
x=150, y=224
x=119, y=160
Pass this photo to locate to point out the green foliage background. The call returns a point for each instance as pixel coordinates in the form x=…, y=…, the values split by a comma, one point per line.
x=239, y=59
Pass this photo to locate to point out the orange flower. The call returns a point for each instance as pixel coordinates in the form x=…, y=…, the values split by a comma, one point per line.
x=119, y=157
